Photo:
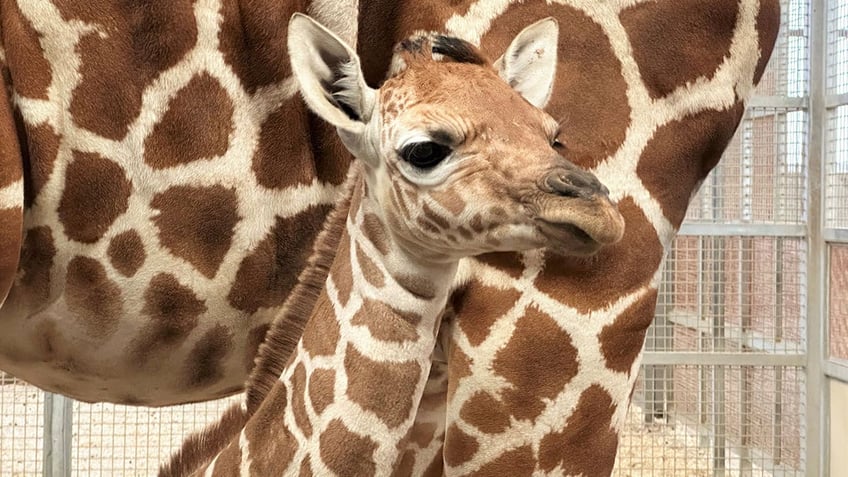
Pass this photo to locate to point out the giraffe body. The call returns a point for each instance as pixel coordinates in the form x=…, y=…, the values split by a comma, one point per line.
x=543, y=351
x=173, y=185
x=432, y=161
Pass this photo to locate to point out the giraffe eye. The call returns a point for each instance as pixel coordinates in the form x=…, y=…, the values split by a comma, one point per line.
x=425, y=155
x=557, y=145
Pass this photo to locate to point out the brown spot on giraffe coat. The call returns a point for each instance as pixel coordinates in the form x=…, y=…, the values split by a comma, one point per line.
x=296, y=147
x=460, y=367
x=345, y=452
x=92, y=297
x=322, y=340
x=205, y=366
x=228, y=462
x=264, y=277
x=539, y=360
x=283, y=157
x=422, y=434
x=36, y=261
x=126, y=252
x=393, y=401
x=587, y=445
x=485, y=412
x=96, y=193
x=594, y=115
x=382, y=23
x=385, y=323
x=702, y=137
x=507, y=262
x=450, y=200
x=481, y=306
x=11, y=221
x=418, y=286
x=298, y=400
x=11, y=216
x=39, y=147
x=142, y=41
x=405, y=466
x=321, y=389
x=174, y=311
x=673, y=49
x=31, y=71
x=374, y=230
x=616, y=270
x=253, y=41
x=305, y=468
x=459, y=446
x=341, y=271
x=621, y=341
x=197, y=224
x=270, y=444
x=370, y=271
x=197, y=125
x=255, y=337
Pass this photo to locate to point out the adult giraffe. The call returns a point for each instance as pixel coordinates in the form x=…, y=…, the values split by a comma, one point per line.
x=169, y=184
x=543, y=351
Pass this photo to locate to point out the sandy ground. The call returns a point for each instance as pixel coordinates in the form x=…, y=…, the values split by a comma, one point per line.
x=114, y=440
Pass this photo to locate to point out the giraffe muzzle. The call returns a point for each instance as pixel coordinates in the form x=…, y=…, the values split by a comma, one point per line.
x=577, y=214
x=571, y=181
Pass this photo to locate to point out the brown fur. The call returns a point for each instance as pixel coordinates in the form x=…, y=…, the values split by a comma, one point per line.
x=280, y=340
x=201, y=447
x=287, y=328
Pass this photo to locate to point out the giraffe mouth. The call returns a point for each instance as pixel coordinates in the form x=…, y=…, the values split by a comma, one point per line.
x=568, y=238
x=584, y=228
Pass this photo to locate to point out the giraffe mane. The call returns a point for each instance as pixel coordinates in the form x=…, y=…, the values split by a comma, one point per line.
x=279, y=343
x=202, y=446
x=287, y=327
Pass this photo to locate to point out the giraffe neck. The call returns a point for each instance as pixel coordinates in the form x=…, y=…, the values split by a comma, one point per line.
x=545, y=350
x=348, y=397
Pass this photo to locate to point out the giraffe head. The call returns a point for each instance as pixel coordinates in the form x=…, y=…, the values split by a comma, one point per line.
x=457, y=150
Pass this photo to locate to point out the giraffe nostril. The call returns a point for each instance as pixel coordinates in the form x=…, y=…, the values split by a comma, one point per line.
x=560, y=184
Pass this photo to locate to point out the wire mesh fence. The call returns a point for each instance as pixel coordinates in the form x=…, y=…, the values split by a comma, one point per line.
x=717, y=420
x=21, y=428
x=108, y=440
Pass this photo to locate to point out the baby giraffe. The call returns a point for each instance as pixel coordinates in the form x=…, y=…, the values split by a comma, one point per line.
x=455, y=159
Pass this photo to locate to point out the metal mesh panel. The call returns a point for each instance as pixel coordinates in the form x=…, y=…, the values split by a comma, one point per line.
x=837, y=168
x=112, y=440
x=789, y=67
x=718, y=420
x=743, y=294
x=837, y=48
x=21, y=427
x=762, y=175
x=838, y=302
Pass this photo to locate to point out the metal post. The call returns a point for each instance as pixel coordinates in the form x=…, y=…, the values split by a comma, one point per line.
x=777, y=417
x=817, y=455
x=746, y=313
x=657, y=377
x=58, y=412
x=717, y=312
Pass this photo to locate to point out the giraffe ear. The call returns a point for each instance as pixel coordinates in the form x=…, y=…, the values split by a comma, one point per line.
x=529, y=63
x=329, y=75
